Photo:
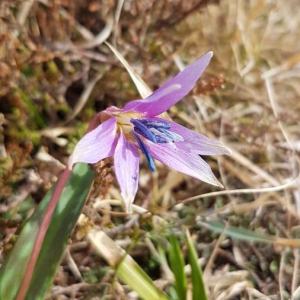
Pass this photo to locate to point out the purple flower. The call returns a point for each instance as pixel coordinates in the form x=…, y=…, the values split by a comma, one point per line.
x=137, y=126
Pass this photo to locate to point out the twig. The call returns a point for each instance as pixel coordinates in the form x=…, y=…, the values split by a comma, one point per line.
x=75, y=288
x=101, y=37
x=296, y=270
x=22, y=15
x=84, y=97
x=117, y=18
x=72, y=265
x=168, y=273
x=242, y=191
x=281, y=274
x=215, y=252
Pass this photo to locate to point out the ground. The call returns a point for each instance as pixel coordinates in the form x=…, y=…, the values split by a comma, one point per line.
x=56, y=73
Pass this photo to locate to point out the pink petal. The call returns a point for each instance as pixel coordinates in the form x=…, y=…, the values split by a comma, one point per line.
x=188, y=163
x=126, y=161
x=195, y=142
x=97, y=144
x=172, y=91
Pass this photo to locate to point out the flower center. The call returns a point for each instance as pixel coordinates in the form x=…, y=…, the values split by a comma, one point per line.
x=157, y=132
x=136, y=128
x=123, y=121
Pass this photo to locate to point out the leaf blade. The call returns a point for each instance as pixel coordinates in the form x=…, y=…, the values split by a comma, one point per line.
x=248, y=235
x=177, y=266
x=12, y=271
x=140, y=84
x=199, y=292
x=126, y=268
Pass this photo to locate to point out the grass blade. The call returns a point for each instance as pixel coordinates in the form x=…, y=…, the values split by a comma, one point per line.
x=140, y=84
x=197, y=280
x=177, y=266
x=63, y=220
x=126, y=268
x=237, y=233
x=248, y=235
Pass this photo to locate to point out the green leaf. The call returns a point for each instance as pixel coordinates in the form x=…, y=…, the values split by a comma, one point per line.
x=248, y=235
x=126, y=268
x=237, y=233
x=133, y=275
x=177, y=266
x=197, y=280
x=63, y=220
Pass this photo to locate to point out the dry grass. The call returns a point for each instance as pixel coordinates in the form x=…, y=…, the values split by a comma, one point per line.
x=55, y=73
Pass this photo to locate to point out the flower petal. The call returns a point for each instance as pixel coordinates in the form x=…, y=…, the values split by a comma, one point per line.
x=97, y=144
x=188, y=163
x=172, y=91
x=194, y=142
x=126, y=161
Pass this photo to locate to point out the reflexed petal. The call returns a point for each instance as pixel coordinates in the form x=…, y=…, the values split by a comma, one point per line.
x=173, y=91
x=126, y=161
x=97, y=144
x=188, y=163
x=195, y=142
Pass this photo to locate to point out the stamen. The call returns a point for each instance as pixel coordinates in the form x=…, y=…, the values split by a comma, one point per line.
x=161, y=139
x=172, y=135
x=145, y=151
x=155, y=124
x=143, y=130
x=155, y=131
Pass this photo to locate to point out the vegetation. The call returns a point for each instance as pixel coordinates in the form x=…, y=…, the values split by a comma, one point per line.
x=56, y=73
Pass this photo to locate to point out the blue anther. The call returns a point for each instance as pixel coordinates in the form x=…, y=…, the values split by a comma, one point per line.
x=143, y=130
x=161, y=139
x=145, y=150
x=155, y=124
x=172, y=135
